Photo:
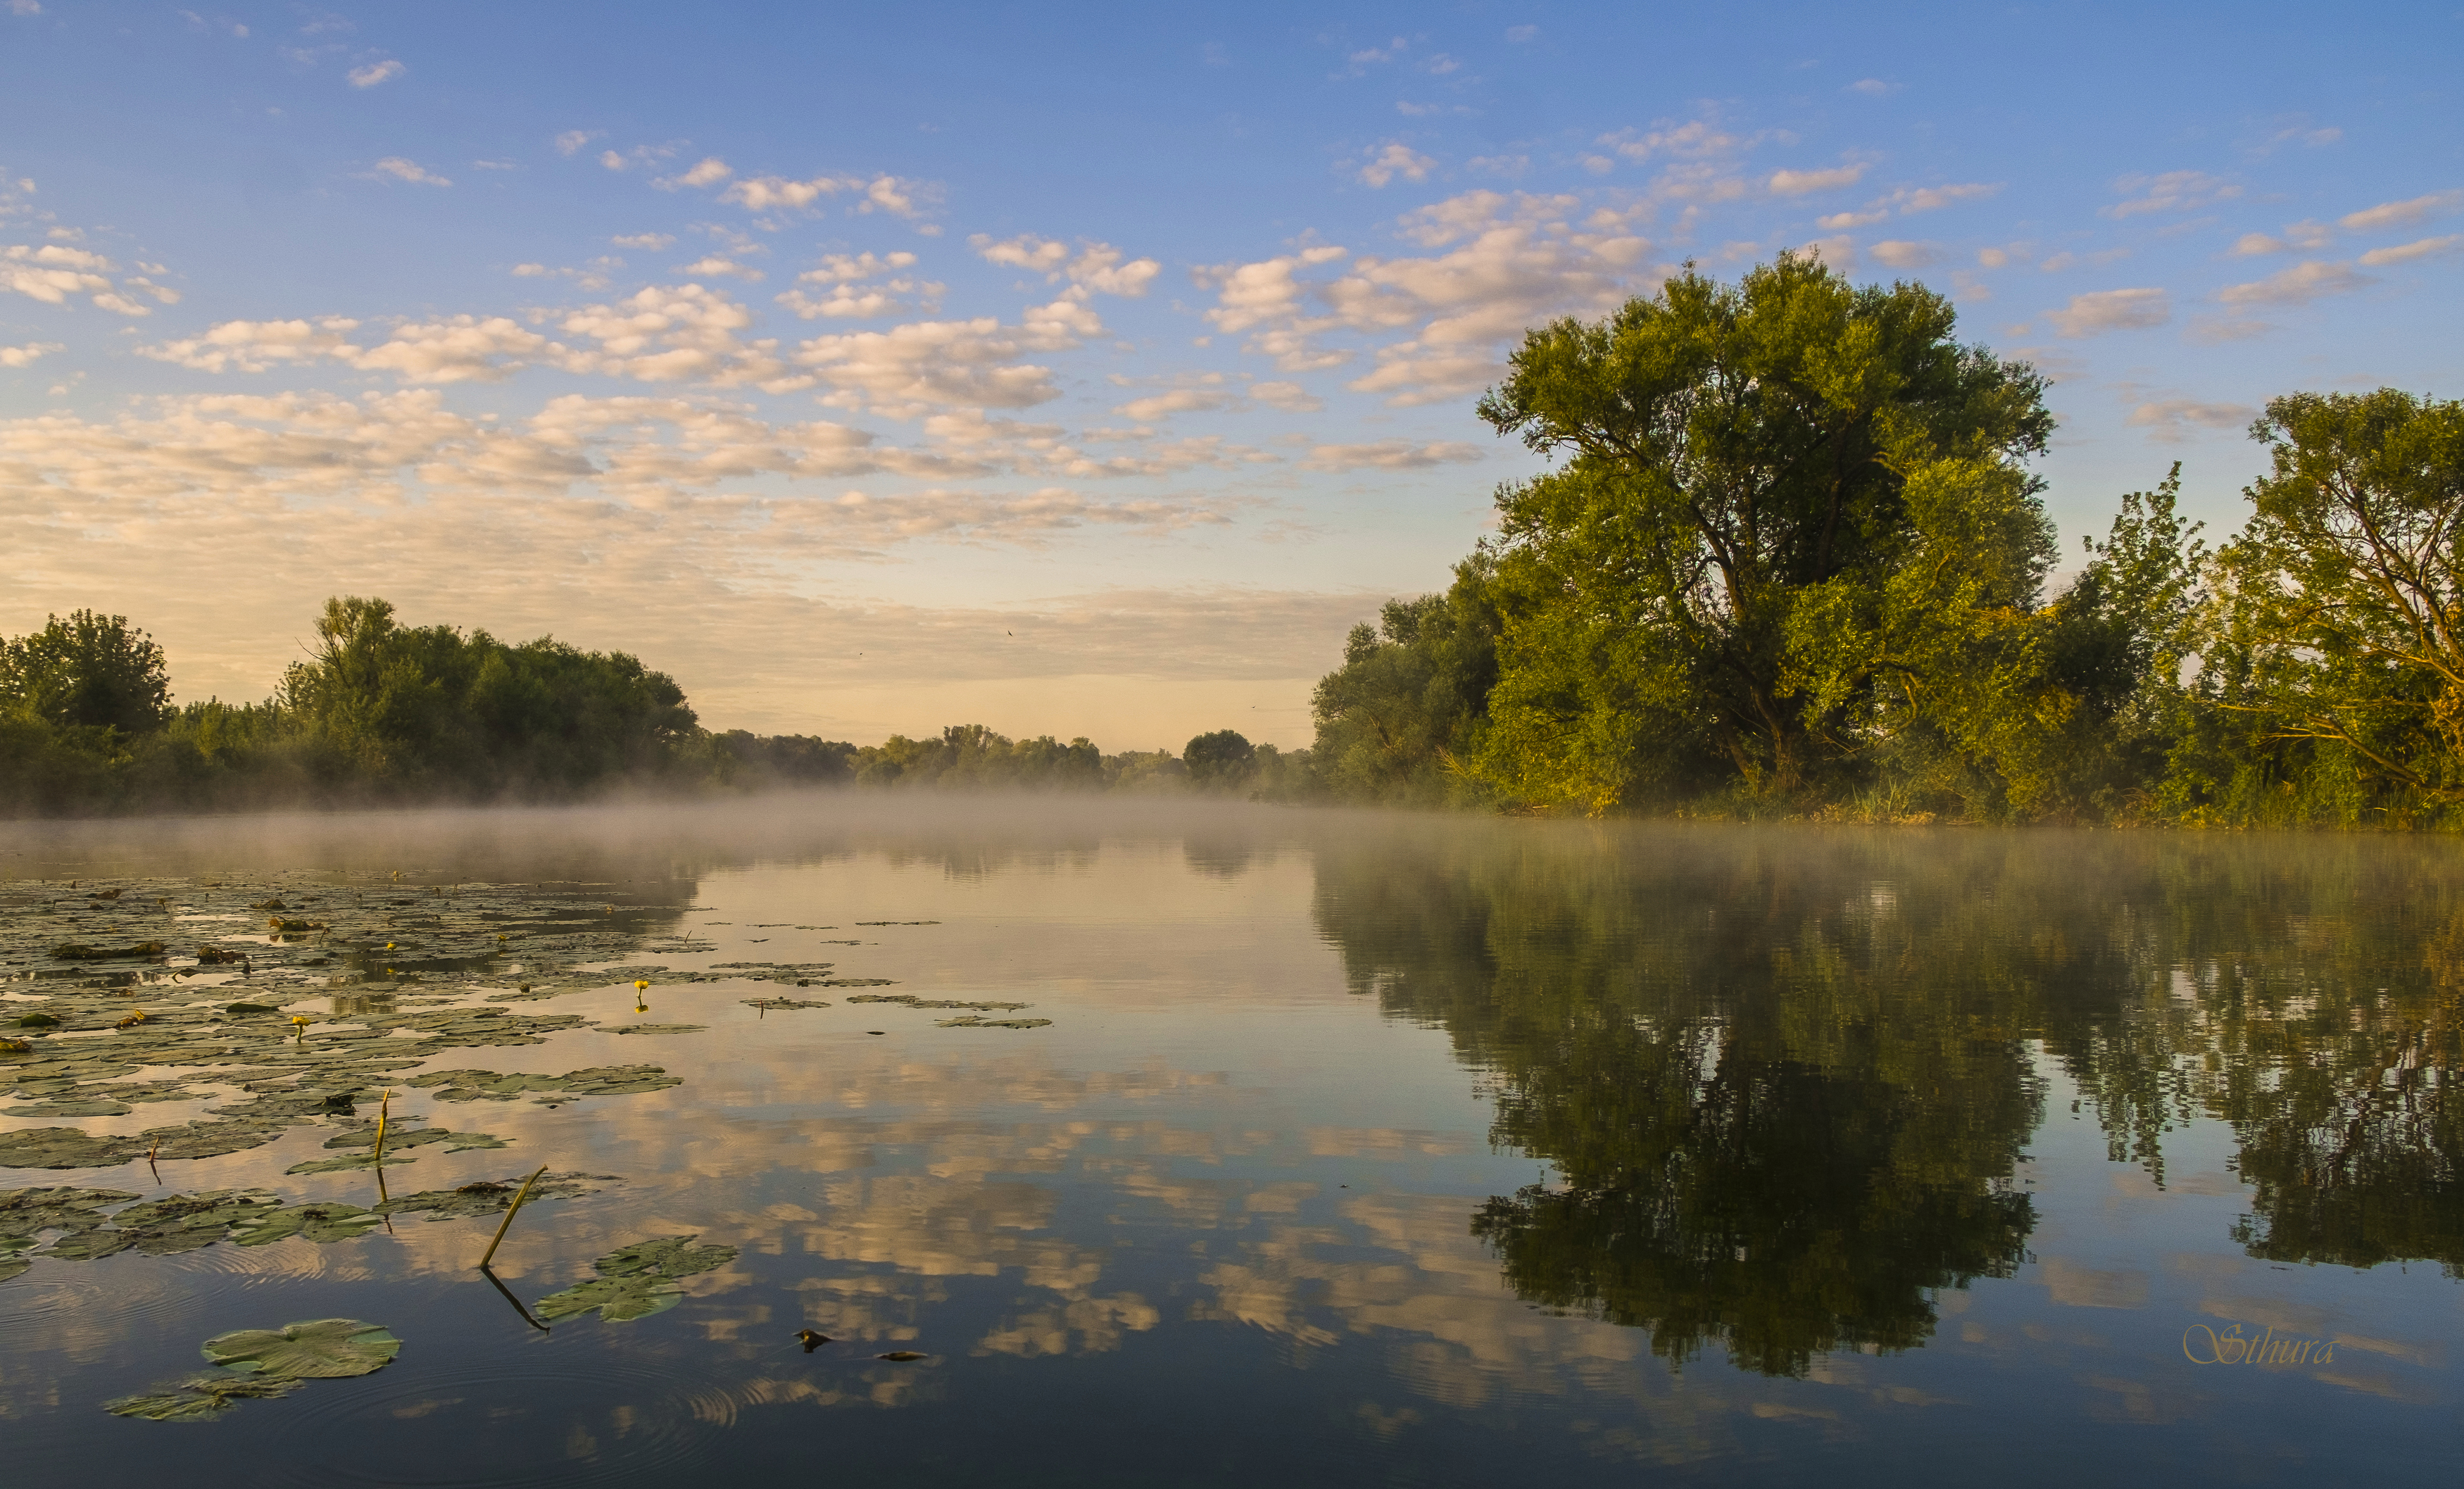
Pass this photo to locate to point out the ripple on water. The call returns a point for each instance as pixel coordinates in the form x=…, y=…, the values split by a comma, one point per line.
x=519, y=1422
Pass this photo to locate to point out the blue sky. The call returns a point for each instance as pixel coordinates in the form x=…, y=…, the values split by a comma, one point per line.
x=1083, y=370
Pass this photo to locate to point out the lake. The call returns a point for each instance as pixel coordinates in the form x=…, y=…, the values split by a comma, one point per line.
x=1182, y=1144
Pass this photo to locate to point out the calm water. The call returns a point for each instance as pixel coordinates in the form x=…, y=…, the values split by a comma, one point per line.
x=1359, y=1149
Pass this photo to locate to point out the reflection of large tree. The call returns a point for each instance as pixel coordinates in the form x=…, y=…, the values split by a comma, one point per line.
x=1785, y=1077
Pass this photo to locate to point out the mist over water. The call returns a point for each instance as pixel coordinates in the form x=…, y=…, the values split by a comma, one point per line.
x=1419, y=1149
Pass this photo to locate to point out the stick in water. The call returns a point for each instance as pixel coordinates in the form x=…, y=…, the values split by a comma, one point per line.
x=510, y=1212
x=382, y=1102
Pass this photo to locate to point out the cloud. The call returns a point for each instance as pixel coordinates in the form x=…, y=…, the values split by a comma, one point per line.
x=1872, y=87
x=25, y=7
x=849, y=292
x=2297, y=285
x=687, y=333
x=639, y=154
x=1391, y=455
x=1285, y=397
x=1509, y=262
x=1520, y=34
x=714, y=266
x=25, y=356
x=402, y=169
x=55, y=271
x=458, y=349
x=1097, y=267
x=1840, y=253
x=1900, y=254
x=2173, y=191
x=1395, y=160
x=2425, y=248
x=654, y=241
x=1186, y=399
x=926, y=364
x=375, y=73
x=2099, y=311
x=1694, y=140
x=709, y=171
x=1799, y=183
x=2170, y=417
x=2402, y=214
x=573, y=140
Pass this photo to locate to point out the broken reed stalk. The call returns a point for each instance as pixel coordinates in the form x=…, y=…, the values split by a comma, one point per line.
x=383, y=1103
x=511, y=1211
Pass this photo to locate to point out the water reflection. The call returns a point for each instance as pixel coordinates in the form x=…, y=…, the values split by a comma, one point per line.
x=1787, y=1080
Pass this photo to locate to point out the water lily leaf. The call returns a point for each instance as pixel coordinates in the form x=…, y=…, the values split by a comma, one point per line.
x=202, y=1398
x=657, y=1028
x=673, y=1256
x=322, y=1223
x=900, y=1356
x=12, y=1266
x=618, y=1300
x=323, y=1349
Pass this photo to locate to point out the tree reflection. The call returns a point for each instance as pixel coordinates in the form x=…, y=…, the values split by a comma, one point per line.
x=1786, y=1079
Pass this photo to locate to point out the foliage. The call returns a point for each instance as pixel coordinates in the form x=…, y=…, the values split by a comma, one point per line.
x=90, y=672
x=1219, y=762
x=1399, y=719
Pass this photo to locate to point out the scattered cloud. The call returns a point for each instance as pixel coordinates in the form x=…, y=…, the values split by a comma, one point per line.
x=1694, y=140
x=714, y=266
x=2306, y=235
x=1520, y=34
x=1095, y=266
x=375, y=73
x=2171, y=421
x=56, y=271
x=1395, y=160
x=1837, y=251
x=2405, y=254
x=1391, y=455
x=709, y=171
x=25, y=7
x=2173, y=191
x=2056, y=263
x=2297, y=285
x=402, y=169
x=1872, y=87
x=1285, y=397
x=641, y=155
x=572, y=141
x=26, y=356
x=2099, y=311
x=653, y=242
x=859, y=287
x=2402, y=214
x=1183, y=399
x=1900, y=254
x=1802, y=183
x=926, y=364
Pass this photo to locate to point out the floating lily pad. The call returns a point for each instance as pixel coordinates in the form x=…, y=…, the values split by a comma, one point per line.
x=489, y=1196
x=322, y=1223
x=202, y=1398
x=636, y=1280
x=470, y=1086
x=783, y=1002
x=899, y=1356
x=913, y=1001
x=971, y=1021
x=322, y=1348
x=657, y=1028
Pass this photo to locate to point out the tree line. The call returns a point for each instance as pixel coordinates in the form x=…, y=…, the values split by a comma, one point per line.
x=384, y=713
x=1790, y=560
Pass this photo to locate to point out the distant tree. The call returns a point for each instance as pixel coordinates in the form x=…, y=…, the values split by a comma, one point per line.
x=88, y=671
x=1399, y=721
x=1220, y=762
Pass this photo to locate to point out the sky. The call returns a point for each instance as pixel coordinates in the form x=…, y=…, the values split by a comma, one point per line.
x=1085, y=370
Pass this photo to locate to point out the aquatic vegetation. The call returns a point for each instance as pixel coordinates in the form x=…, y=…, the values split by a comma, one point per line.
x=164, y=1227
x=637, y=1281
x=913, y=1001
x=657, y=1028
x=203, y=1397
x=471, y=1085
x=782, y=1002
x=321, y=1350
x=971, y=1021
x=900, y=1356
x=488, y=1196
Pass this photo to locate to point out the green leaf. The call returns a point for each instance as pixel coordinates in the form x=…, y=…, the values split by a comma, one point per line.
x=202, y=1398
x=617, y=1298
x=322, y=1348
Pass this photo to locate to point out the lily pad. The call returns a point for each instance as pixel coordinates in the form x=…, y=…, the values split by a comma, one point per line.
x=636, y=1280
x=202, y=1398
x=322, y=1223
x=657, y=1028
x=971, y=1021
x=489, y=1196
x=322, y=1348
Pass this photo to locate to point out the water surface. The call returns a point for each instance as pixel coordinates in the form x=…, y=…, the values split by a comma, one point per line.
x=1357, y=1148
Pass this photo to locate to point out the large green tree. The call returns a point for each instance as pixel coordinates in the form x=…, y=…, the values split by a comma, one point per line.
x=1728, y=449
x=88, y=671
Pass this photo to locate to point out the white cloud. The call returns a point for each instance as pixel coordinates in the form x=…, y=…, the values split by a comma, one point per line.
x=653, y=242
x=2403, y=214
x=1395, y=160
x=1839, y=252
x=1185, y=400
x=2167, y=417
x=1842, y=222
x=850, y=292
x=1520, y=34
x=572, y=141
x=25, y=356
x=25, y=7
x=1285, y=397
x=1901, y=254
x=1096, y=267
x=1698, y=140
x=687, y=333
x=2173, y=191
x=639, y=154
x=402, y=169
x=2405, y=254
x=254, y=345
x=2310, y=237
x=1800, y=183
x=458, y=349
x=1250, y=294
x=1872, y=87
x=1395, y=454
x=926, y=364
x=55, y=271
x=2099, y=311
x=714, y=266
x=709, y=171
x=375, y=73
x=2297, y=285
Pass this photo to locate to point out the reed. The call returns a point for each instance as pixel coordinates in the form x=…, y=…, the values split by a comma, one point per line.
x=511, y=1211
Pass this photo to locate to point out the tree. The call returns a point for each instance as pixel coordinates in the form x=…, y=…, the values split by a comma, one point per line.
x=1400, y=720
x=1222, y=760
x=1731, y=446
x=88, y=671
x=2342, y=620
